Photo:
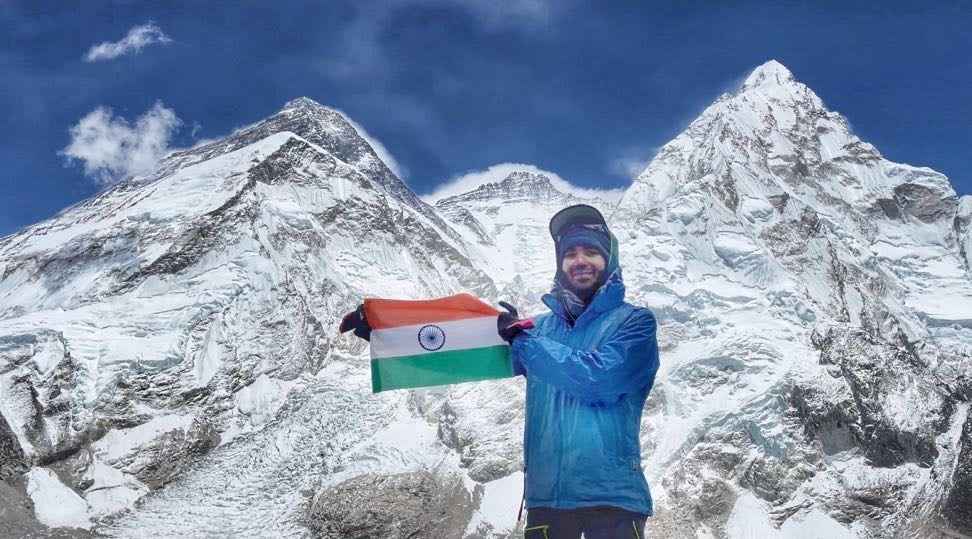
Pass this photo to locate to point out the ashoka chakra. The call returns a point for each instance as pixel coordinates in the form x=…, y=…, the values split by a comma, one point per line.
x=431, y=337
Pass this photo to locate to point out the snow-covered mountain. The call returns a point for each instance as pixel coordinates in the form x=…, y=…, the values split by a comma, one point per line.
x=185, y=312
x=816, y=306
x=169, y=361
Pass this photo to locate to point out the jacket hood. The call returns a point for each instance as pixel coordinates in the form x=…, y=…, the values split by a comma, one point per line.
x=566, y=304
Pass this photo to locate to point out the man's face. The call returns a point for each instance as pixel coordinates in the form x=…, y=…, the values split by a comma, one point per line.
x=583, y=265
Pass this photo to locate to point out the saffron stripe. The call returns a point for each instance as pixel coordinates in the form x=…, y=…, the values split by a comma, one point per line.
x=387, y=313
x=440, y=368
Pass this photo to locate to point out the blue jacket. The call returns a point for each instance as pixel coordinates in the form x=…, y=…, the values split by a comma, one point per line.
x=586, y=386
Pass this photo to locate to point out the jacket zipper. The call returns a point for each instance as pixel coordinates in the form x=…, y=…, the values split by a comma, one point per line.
x=560, y=465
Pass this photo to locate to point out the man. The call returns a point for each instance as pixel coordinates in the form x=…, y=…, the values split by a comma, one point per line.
x=589, y=364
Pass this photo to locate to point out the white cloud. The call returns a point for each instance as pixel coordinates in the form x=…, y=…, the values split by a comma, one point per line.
x=111, y=149
x=631, y=162
x=497, y=173
x=138, y=38
x=377, y=146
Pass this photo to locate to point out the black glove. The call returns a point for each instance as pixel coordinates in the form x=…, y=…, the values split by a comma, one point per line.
x=509, y=324
x=356, y=320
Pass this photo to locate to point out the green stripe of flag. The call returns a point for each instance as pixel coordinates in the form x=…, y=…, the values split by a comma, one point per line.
x=440, y=368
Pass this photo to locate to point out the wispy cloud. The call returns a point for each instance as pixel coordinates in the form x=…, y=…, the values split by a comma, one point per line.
x=631, y=162
x=464, y=183
x=359, y=56
x=362, y=54
x=526, y=14
x=111, y=149
x=137, y=39
x=379, y=148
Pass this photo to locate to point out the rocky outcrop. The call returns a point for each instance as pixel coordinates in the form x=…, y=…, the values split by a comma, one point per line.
x=924, y=203
x=963, y=230
x=159, y=451
x=418, y=505
x=17, y=515
x=38, y=376
x=517, y=185
x=12, y=459
x=958, y=505
x=874, y=372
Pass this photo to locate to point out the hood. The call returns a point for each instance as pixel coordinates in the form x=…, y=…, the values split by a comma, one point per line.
x=566, y=304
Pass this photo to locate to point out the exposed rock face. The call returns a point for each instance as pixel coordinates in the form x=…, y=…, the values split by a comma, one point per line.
x=958, y=510
x=163, y=450
x=963, y=230
x=38, y=382
x=12, y=461
x=872, y=372
x=17, y=515
x=419, y=505
x=518, y=185
x=924, y=203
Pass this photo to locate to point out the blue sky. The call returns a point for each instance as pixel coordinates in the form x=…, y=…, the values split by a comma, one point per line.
x=583, y=89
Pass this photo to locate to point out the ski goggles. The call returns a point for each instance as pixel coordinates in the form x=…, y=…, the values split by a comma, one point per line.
x=570, y=228
x=577, y=215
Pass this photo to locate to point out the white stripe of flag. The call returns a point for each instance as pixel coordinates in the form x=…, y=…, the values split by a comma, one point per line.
x=459, y=335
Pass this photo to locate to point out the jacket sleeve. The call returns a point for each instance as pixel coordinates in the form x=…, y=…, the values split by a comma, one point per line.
x=625, y=362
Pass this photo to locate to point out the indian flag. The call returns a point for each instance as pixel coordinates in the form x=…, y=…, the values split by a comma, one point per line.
x=434, y=342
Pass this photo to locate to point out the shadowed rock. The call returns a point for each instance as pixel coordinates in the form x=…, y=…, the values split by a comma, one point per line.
x=924, y=203
x=871, y=370
x=416, y=505
x=12, y=462
x=17, y=515
x=958, y=506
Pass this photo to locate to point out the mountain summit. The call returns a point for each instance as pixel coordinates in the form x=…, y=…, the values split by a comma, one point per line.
x=772, y=72
x=520, y=184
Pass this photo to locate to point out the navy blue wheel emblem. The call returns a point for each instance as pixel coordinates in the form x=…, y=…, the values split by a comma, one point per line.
x=431, y=337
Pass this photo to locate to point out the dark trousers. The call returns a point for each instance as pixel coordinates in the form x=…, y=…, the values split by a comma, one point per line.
x=594, y=522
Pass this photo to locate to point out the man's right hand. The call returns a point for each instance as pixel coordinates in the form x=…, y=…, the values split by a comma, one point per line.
x=356, y=320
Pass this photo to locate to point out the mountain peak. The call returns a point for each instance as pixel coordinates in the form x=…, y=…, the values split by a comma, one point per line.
x=770, y=73
x=524, y=178
x=302, y=102
x=327, y=128
x=518, y=184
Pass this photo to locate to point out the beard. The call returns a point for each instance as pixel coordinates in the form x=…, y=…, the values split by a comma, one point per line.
x=585, y=292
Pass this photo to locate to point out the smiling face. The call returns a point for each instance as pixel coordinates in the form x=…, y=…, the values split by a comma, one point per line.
x=583, y=267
